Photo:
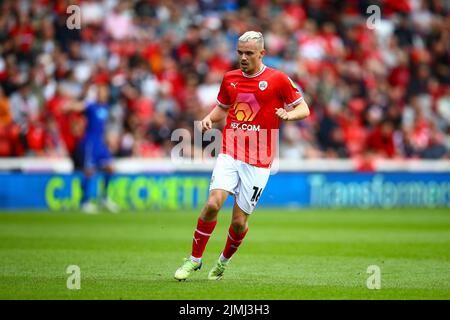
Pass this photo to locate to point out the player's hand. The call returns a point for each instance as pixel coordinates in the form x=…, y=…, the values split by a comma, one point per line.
x=206, y=124
x=282, y=114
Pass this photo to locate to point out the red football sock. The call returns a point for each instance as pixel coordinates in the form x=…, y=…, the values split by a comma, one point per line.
x=233, y=242
x=201, y=236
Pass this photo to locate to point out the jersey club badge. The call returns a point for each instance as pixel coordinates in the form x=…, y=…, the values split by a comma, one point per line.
x=262, y=85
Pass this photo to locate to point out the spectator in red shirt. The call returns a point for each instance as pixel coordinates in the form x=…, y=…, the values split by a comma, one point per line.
x=381, y=140
x=24, y=36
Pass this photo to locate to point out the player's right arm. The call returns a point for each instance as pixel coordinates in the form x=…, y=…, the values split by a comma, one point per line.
x=217, y=114
x=220, y=111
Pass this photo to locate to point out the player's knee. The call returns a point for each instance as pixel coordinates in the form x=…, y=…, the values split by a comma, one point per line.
x=108, y=169
x=213, y=206
x=239, y=224
x=88, y=172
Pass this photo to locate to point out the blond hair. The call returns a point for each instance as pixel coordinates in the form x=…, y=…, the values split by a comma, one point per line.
x=253, y=35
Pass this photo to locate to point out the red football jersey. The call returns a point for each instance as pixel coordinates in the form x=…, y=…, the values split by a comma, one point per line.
x=251, y=132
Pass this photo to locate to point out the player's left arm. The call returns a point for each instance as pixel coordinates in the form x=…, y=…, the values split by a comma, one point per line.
x=74, y=105
x=300, y=112
x=292, y=96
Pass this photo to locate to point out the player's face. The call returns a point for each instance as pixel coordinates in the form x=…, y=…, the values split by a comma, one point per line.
x=250, y=56
x=103, y=94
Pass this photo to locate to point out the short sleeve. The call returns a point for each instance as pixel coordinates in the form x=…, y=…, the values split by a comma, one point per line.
x=290, y=94
x=223, y=98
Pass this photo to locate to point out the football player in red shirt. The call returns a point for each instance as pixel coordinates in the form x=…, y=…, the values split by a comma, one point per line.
x=254, y=100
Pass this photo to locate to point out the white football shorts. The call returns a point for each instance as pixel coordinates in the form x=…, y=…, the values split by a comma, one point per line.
x=244, y=181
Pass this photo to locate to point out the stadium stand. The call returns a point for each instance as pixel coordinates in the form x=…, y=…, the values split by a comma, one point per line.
x=378, y=93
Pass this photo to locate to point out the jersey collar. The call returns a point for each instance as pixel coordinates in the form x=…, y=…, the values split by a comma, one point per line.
x=255, y=74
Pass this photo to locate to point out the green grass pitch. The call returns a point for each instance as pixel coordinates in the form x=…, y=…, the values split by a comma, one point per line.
x=287, y=254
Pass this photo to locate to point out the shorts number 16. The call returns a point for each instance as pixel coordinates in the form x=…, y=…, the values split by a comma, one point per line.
x=256, y=194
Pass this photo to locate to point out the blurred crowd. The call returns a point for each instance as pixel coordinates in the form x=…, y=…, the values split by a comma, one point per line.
x=375, y=88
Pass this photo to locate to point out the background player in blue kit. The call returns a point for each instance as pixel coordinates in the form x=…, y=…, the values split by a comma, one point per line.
x=92, y=152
